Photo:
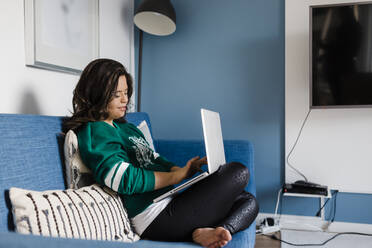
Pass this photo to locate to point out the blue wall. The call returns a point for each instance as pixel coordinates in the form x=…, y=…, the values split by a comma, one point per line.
x=229, y=56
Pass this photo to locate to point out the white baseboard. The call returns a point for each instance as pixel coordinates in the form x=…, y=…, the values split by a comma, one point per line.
x=309, y=223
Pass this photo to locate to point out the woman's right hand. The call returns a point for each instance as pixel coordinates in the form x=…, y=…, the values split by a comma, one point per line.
x=192, y=166
x=177, y=174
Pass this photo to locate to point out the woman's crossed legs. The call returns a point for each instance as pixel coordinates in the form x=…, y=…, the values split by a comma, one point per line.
x=210, y=211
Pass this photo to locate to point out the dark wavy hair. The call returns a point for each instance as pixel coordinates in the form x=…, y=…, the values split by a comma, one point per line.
x=94, y=91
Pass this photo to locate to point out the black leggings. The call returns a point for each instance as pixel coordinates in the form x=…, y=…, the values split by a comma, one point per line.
x=218, y=200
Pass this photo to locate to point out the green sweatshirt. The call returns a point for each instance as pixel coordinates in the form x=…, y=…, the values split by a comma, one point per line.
x=121, y=159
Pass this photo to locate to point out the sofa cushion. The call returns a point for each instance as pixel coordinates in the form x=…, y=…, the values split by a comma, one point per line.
x=92, y=212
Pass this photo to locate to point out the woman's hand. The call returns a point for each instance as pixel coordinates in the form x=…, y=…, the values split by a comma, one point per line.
x=194, y=165
x=177, y=174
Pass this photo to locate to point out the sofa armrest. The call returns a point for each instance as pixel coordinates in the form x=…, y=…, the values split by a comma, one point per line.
x=180, y=151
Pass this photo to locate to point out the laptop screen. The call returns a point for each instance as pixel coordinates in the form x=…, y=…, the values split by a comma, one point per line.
x=213, y=139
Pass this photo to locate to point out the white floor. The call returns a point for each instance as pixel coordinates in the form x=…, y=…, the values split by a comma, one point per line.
x=312, y=237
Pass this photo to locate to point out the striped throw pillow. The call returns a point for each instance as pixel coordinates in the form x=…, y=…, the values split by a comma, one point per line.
x=92, y=212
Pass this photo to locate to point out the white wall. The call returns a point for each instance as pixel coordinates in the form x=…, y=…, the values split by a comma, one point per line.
x=335, y=147
x=30, y=90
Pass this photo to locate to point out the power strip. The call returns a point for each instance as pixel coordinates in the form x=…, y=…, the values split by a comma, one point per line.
x=269, y=229
x=268, y=225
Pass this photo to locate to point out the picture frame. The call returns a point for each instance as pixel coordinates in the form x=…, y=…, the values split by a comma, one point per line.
x=61, y=35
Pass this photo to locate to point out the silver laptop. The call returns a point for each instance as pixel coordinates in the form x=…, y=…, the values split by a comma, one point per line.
x=213, y=146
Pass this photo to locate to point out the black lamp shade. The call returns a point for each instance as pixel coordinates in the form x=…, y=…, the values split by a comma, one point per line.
x=156, y=17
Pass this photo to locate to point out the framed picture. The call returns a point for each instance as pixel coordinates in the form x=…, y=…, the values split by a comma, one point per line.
x=61, y=35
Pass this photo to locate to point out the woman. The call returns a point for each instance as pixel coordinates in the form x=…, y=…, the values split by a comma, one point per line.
x=208, y=212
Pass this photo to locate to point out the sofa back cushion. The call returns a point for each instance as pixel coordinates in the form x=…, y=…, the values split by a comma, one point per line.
x=137, y=118
x=31, y=155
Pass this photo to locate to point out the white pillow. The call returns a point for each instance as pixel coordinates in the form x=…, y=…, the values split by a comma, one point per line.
x=77, y=173
x=146, y=132
x=92, y=212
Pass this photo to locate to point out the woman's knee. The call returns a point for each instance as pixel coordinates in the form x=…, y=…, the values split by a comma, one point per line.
x=239, y=172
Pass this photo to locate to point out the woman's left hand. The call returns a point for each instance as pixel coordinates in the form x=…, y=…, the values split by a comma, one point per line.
x=195, y=165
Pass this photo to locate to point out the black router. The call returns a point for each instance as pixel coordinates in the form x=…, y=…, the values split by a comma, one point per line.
x=304, y=187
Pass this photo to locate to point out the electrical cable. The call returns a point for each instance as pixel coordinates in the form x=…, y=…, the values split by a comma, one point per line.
x=281, y=206
x=320, y=244
x=318, y=213
x=334, y=207
x=277, y=202
x=333, y=218
x=294, y=145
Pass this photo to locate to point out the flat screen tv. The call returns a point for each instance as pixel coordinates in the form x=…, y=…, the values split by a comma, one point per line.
x=341, y=55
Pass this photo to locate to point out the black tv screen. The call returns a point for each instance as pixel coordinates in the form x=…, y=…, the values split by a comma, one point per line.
x=341, y=55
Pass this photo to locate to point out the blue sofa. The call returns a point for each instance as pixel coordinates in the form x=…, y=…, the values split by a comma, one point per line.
x=31, y=157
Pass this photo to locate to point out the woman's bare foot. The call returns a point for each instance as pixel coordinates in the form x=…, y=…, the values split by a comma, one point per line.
x=211, y=237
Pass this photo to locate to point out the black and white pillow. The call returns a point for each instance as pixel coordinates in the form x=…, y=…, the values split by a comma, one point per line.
x=77, y=173
x=92, y=212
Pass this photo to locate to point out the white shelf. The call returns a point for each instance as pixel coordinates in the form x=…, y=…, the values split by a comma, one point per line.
x=308, y=195
x=322, y=197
